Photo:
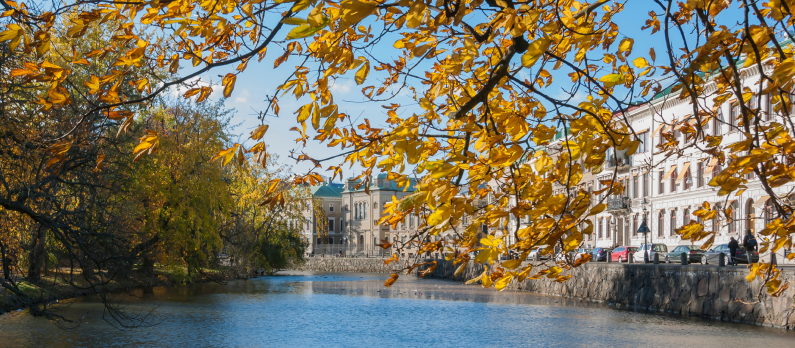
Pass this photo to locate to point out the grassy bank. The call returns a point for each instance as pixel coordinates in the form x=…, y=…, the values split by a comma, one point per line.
x=55, y=287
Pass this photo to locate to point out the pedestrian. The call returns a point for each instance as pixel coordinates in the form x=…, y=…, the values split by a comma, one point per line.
x=733, y=246
x=750, y=244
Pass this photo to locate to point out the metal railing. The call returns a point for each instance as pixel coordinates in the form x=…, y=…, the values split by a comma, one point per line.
x=619, y=162
x=618, y=203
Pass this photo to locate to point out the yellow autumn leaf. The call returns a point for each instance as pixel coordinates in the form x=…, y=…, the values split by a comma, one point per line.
x=640, y=62
x=306, y=30
x=625, y=47
x=535, y=51
x=362, y=73
x=439, y=215
x=229, y=84
x=512, y=264
x=476, y=279
x=257, y=133
x=227, y=154
x=503, y=282
x=597, y=209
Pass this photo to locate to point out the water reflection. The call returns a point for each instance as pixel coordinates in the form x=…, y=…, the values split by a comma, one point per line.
x=354, y=310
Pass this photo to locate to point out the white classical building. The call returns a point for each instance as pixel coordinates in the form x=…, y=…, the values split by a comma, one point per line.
x=671, y=187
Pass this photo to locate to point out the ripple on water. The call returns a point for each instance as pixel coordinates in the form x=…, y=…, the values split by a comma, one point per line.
x=354, y=310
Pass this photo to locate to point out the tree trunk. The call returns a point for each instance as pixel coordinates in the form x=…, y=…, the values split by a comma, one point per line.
x=6, y=262
x=148, y=267
x=36, y=255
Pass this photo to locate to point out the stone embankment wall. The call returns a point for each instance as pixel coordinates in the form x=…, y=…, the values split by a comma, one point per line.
x=708, y=291
x=344, y=264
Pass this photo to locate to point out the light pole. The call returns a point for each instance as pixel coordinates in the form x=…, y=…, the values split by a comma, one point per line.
x=644, y=228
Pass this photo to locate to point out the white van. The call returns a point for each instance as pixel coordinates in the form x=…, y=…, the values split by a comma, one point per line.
x=660, y=249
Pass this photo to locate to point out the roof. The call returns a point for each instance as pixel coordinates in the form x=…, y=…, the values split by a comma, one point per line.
x=385, y=184
x=326, y=191
x=740, y=62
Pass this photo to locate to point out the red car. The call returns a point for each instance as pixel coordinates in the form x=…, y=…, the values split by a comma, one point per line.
x=621, y=254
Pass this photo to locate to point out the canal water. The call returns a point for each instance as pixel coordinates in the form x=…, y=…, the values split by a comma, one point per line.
x=355, y=310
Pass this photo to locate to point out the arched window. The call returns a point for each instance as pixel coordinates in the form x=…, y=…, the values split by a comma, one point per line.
x=750, y=214
x=356, y=211
x=660, y=224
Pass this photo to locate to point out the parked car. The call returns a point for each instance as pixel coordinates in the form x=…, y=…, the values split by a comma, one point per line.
x=652, y=249
x=581, y=251
x=532, y=255
x=621, y=254
x=600, y=254
x=712, y=256
x=694, y=254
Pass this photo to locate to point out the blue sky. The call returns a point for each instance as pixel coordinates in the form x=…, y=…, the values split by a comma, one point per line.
x=260, y=80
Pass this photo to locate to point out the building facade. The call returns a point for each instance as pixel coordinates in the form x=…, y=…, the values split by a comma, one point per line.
x=669, y=188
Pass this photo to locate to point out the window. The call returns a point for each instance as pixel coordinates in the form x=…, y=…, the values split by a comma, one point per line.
x=753, y=103
x=717, y=121
x=733, y=217
x=646, y=184
x=375, y=240
x=672, y=178
x=599, y=226
x=342, y=225
x=644, y=141
x=768, y=108
x=364, y=211
x=607, y=227
x=635, y=225
x=331, y=207
x=673, y=223
x=661, y=189
x=331, y=240
x=411, y=220
x=735, y=112
x=319, y=241
x=331, y=224
x=686, y=216
x=660, y=223
x=700, y=174
x=484, y=228
x=686, y=180
x=716, y=170
x=635, y=186
x=626, y=187
x=769, y=213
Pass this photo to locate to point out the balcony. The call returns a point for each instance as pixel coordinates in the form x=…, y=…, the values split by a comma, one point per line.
x=622, y=162
x=618, y=203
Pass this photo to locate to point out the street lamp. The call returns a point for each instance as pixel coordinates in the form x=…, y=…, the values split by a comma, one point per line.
x=644, y=228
